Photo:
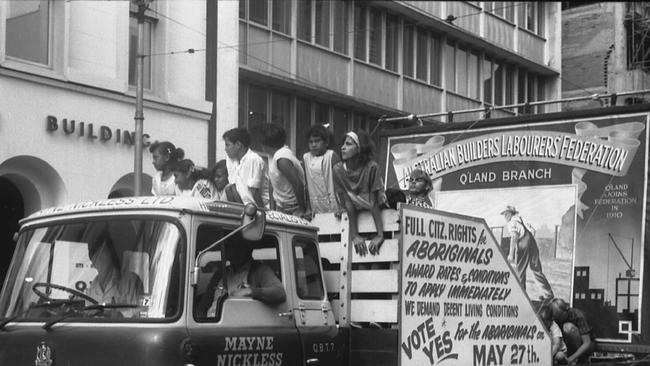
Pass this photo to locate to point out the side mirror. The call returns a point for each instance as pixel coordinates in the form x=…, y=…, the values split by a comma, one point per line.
x=15, y=237
x=253, y=223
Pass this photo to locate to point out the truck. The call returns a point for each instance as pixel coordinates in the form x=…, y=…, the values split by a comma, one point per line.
x=440, y=290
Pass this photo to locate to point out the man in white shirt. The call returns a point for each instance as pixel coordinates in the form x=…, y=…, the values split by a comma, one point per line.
x=247, y=169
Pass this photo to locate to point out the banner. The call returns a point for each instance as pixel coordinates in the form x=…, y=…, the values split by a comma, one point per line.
x=460, y=302
x=577, y=186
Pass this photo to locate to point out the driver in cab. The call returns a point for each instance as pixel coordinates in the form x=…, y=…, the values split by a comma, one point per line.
x=245, y=278
x=111, y=285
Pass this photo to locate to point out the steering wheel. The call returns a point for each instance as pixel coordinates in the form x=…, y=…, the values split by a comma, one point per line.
x=71, y=291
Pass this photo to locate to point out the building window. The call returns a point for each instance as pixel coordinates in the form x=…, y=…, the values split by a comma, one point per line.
x=340, y=124
x=510, y=85
x=498, y=84
x=281, y=110
x=28, y=31
x=303, y=124
x=408, y=49
x=304, y=20
x=360, y=25
x=281, y=13
x=487, y=80
x=435, y=59
x=461, y=71
x=422, y=54
x=340, y=31
x=149, y=22
x=322, y=23
x=474, y=89
x=256, y=106
x=258, y=11
x=503, y=9
x=392, y=42
x=375, y=40
x=449, y=53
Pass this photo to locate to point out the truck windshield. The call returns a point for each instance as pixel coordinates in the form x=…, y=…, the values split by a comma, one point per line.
x=100, y=270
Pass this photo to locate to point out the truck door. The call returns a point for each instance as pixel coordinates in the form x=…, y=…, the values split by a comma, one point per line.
x=240, y=331
x=312, y=312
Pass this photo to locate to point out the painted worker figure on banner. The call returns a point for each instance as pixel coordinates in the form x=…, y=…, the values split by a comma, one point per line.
x=524, y=251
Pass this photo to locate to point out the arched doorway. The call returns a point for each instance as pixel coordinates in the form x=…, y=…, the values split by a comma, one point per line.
x=12, y=209
x=27, y=184
x=124, y=186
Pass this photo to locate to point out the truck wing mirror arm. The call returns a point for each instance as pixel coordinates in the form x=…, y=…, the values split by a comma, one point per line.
x=249, y=217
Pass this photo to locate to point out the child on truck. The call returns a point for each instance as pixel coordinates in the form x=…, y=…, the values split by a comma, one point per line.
x=359, y=186
x=191, y=181
x=419, y=187
x=319, y=162
x=164, y=155
x=285, y=172
x=223, y=190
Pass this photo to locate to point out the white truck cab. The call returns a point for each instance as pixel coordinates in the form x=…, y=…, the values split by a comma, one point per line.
x=163, y=251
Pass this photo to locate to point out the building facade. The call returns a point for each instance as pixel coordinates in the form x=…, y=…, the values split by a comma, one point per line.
x=346, y=63
x=605, y=49
x=67, y=99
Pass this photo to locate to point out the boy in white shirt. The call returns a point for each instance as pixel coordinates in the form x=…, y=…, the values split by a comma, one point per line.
x=285, y=172
x=246, y=168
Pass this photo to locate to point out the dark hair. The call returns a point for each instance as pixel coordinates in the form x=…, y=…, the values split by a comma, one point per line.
x=186, y=166
x=559, y=304
x=319, y=131
x=366, y=147
x=393, y=196
x=220, y=165
x=168, y=149
x=273, y=135
x=238, y=135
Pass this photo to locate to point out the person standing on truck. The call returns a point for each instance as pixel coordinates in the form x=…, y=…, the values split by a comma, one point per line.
x=164, y=155
x=285, y=172
x=247, y=169
x=359, y=186
x=111, y=285
x=524, y=246
x=319, y=162
x=192, y=181
x=576, y=332
x=245, y=277
x=223, y=189
x=419, y=187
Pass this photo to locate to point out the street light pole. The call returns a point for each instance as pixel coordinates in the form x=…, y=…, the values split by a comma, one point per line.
x=139, y=113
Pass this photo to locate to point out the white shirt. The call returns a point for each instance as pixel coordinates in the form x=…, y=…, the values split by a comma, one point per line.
x=283, y=193
x=161, y=187
x=201, y=189
x=249, y=172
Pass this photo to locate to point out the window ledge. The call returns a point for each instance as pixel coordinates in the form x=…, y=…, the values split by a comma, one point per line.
x=532, y=34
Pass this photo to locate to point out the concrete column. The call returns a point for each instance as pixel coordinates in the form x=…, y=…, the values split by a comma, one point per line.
x=227, y=70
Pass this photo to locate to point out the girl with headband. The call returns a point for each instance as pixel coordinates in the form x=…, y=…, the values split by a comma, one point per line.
x=360, y=187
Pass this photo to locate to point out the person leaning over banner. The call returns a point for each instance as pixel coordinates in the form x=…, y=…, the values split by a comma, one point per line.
x=360, y=187
x=524, y=245
x=576, y=332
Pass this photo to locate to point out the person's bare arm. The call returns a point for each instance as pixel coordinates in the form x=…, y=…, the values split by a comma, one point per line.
x=584, y=348
x=375, y=211
x=286, y=167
